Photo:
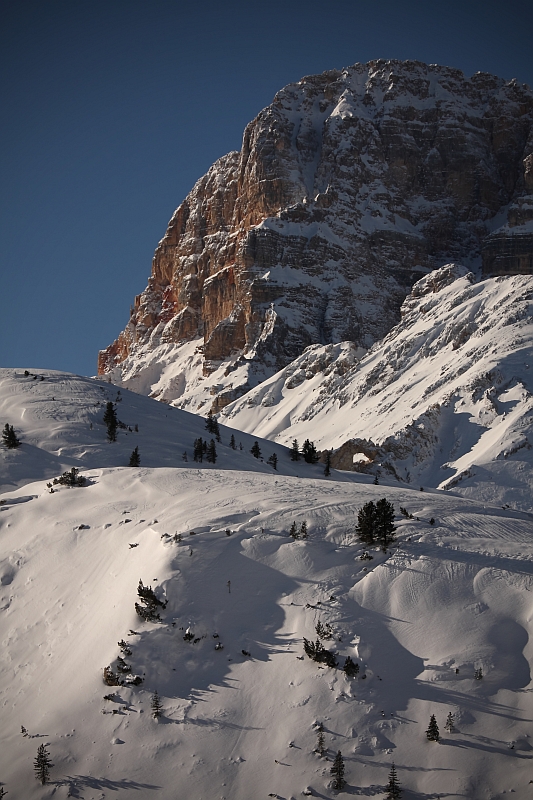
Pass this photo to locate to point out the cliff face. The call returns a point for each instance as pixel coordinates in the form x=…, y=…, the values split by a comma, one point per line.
x=348, y=188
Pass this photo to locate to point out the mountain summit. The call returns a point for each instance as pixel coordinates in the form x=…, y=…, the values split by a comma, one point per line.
x=350, y=187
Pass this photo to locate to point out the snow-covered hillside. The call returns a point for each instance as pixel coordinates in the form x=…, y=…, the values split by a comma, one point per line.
x=445, y=400
x=240, y=721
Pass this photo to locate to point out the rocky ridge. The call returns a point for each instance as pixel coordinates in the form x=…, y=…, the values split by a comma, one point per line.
x=349, y=187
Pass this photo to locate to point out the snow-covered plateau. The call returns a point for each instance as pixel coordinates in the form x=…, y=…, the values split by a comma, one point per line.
x=241, y=702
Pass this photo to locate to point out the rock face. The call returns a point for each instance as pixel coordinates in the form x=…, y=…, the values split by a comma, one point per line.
x=348, y=188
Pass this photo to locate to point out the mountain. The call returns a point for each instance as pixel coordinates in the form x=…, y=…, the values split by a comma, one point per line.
x=444, y=400
x=349, y=187
x=420, y=620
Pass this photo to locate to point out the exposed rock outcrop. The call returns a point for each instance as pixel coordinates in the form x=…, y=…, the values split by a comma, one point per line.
x=348, y=187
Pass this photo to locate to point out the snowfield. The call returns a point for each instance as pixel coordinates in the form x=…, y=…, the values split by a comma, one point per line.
x=452, y=597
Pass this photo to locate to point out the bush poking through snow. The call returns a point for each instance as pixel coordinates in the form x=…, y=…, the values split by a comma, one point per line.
x=71, y=478
x=317, y=652
x=148, y=610
x=42, y=764
x=110, y=679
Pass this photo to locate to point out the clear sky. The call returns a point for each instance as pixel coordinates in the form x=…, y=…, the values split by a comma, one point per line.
x=112, y=109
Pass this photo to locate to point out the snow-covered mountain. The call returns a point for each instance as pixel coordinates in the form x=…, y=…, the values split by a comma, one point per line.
x=240, y=722
x=349, y=187
x=445, y=400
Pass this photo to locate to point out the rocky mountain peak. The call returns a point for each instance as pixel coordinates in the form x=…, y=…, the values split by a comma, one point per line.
x=348, y=188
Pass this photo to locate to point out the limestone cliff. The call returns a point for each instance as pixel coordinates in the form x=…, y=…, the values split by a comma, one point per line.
x=348, y=188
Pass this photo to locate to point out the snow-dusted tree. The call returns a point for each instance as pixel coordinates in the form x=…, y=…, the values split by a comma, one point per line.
x=9, y=437
x=351, y=668
x=211, y=454
x=42, y=764
x=393, y=786
x=111, y=421
x=366, y=522
x=293, y=531
x=450, y=723
x=323, y=631
x=156, y=705
x=273, y=461
x=384, y=523
x=232, y=443
x=148, y=609
x=317, y=652
x=320, y=743
x=135, y=459
x=295, y=451
x=256, y=450
x=432, y=732
x=71, y=477
x=337, y=770
x=327, y=469
x=303, y=530
x=478, y=674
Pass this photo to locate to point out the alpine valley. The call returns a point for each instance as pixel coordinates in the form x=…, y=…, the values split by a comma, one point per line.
x=208, y=623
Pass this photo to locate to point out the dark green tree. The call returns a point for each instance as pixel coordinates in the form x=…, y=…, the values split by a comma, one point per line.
x=198, y=450
x=366, y=523
x=309, y=452
x=256, y=450
x=273, y=461
x=337, y=770
x=351, y=669
x=211, y=453
x=211, y=425
x=293, y=531
x=149, y=603
x=432, y=732
x=232, y=443
x=9, y=437
x=393, y=786
x=71, y=478
x=42, y=764
x=303, y=530
x=384, y=528
x=327, y=469
x=111, y=421
x=156, y=705
x=135, y=459
x=295, y=451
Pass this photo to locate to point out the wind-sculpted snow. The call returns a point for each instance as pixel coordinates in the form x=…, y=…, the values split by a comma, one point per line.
x=239, y=722
x=445, y=400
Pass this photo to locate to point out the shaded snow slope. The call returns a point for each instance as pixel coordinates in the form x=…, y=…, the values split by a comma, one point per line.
x=455, y=596
x=59, y=421
x=445, y=400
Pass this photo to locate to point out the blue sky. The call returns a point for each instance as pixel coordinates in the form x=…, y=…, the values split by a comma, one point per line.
x=112, y=110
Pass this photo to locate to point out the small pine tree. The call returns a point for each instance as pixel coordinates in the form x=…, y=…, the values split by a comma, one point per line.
x=232, y=443
x=111, y=421
x=156, y=705
x=450, y=723
x=393, y=786
x=351, y=668
x=337, y=770
x=135, y=459
x=366, y=522
x=198, y=450
x=384, y=523
x=432, y=732
x=273, y=461
x=293, y=531
x=184, y=456
x=9, y=437
x=295, y=451
x=211, y=453
x=376, y=481
x=320, y=743
x=42, y=764
x=327, y=470
x=309, y=452
x=210, y=422
x=303, y=530
x=256, y=450
x=478, y=674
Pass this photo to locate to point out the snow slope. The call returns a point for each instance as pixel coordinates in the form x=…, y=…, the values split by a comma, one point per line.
x=454, y=595
x=445, y=400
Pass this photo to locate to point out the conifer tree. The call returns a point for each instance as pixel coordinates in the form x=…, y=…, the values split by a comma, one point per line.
x=366, y=522
x=42, y=764
x=327, y=470
x=198, y=450
x=393, y=786
x=309, y=452
x=156, y=705
x=432, y=732
x=320, y=743
x=337, y=770
x=450, y=720
x=293, y=531
x=232, y=443
x=211, y=453
x=110, y=419
x=384, y=523
x=273, y=461
x=303, y=530
x=9, y=437
x=256, y=450
x=351, y=668
x=135, y=459
x=295, y=451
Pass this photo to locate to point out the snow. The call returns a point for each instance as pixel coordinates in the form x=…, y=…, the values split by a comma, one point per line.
x=453, y=595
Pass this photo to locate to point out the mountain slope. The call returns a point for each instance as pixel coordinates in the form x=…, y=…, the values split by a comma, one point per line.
x=445, y=400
